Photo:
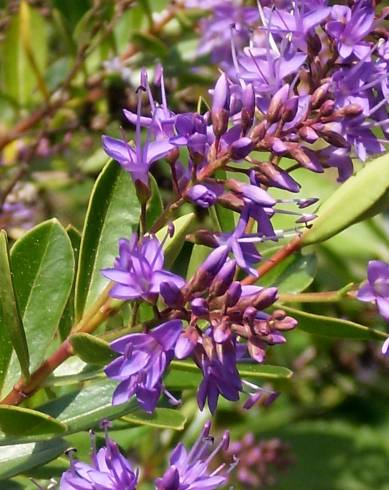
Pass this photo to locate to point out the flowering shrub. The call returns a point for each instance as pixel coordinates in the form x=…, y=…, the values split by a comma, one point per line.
x=234, y=157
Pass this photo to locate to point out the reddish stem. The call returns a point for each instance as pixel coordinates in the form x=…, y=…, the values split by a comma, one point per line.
x=276, y=259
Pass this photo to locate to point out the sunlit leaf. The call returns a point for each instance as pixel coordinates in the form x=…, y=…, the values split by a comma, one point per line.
x=351, y=201
x=112, y=213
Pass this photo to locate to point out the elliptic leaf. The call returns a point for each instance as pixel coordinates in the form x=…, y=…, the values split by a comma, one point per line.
x=113, y=212
x=351, y=202
x=333, y=327
x=42, y=264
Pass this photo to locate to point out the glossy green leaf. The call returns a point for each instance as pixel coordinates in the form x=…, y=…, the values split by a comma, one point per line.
x=68, y=317
x=178, y=376
x=20, y=458
x=333, y=327
x=173, y=245
x=112, y=212
x=18, y=74
x=92, y=349
x=293, y=274
x=42, y=263
x=155, y=204
x=11, y=326
x=23, y=422
x=162, y=418
x=351, y=201
x=85, y=408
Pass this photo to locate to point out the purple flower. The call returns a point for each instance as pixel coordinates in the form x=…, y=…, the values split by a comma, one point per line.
x=216, y=30
x=299, y=23
x=138, y=271
x=142, y=363
x=137, y=161
x=109, y=470
x=377, y=287
x=220, y=374
x=189, y=470
x=349, y=27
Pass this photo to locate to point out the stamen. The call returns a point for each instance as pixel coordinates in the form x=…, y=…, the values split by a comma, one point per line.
x=172, y=400
x=264, y=22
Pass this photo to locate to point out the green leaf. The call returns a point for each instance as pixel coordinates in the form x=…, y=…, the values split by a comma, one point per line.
x=173, y=245
x=92, y=349
x=112, y=212
x=150, y=44
x=42, y=264
x=20, y=458
x=155, y=204
x=85, y=408
x=162, y=418
x=199, y=254
x=17, y=73
x=11, y=326
x=293, y=274
x=23, y=422
x=333, y=327
x=68, y=317
x=351, y=202
x=178, y=377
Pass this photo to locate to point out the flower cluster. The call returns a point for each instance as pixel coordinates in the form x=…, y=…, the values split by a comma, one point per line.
x=304, y=85
x=260, y=462
x=211, y=319
x=188, y=470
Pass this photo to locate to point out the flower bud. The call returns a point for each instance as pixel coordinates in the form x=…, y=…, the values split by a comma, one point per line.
x=276, y=177
x=234, y=292
x=320, y=95
x=201, y=195
x=249, y=314
x=241, y=148
x=248, y=107
x=252, y=192
x=276, y=104
x=290, y=109
x=220, y=106
x=258, y=132
x=223, y=279
x=265, y=298
x=333, y=137
x=327, y=108
x=308, y=134
x=207, y=271
x=199, y=307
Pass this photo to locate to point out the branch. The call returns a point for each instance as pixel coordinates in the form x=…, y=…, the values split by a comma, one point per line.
x=277, y=258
